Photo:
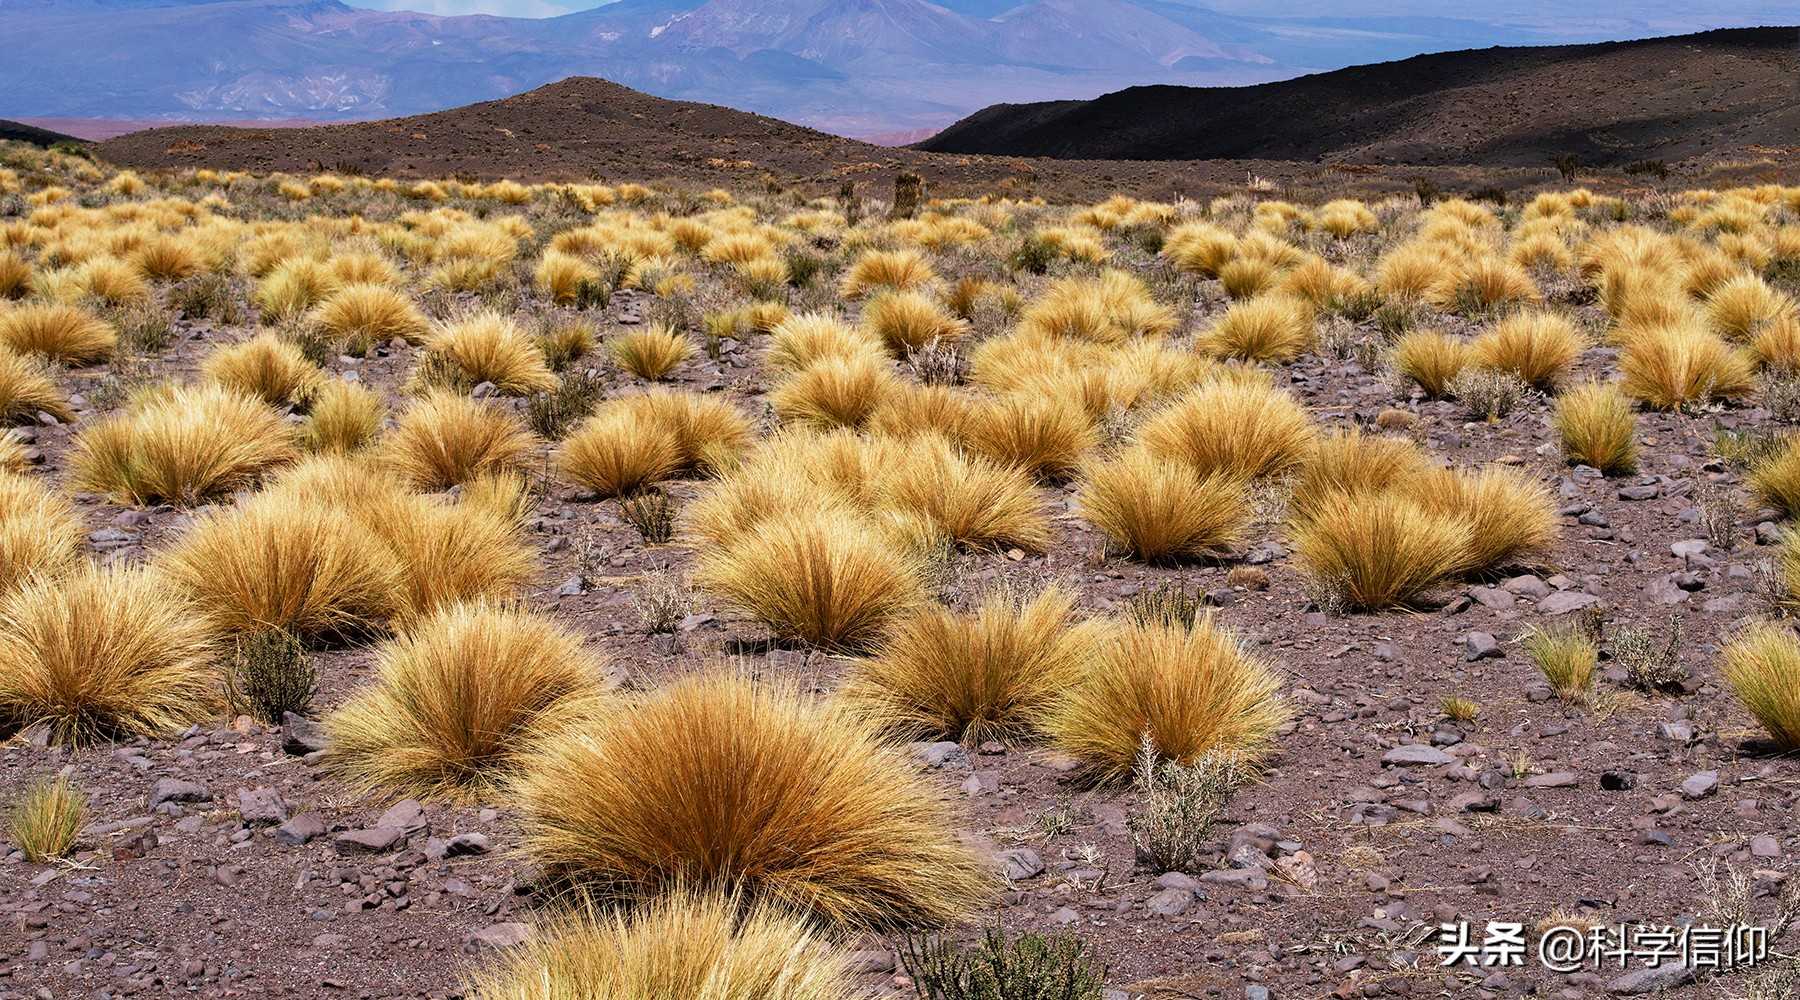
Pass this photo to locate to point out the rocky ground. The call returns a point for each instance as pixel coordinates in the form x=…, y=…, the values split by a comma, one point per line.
x=221, y=864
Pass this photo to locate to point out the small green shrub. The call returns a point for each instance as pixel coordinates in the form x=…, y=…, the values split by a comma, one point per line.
x=1181, y=802
x=652, y=513
x=272, y=674
x=1166, y=604
x=1029, y=967
x=1649, y=665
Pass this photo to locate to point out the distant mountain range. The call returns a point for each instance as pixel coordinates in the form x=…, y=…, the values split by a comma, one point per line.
x=852, y=67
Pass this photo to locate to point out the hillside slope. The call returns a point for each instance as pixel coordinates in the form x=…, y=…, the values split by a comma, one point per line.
x=1611, y=103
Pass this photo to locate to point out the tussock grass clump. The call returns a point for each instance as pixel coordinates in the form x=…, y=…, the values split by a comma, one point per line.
x=1509, y=517
x=822, y=576
x=182, y=445
x=910, y=321
x=1160, y=511
x=834, y=392
x=1431, y=359
x=62, y=333
x=40, y=533
x=1536, y=346
x=1195, y=691
x=488, y=347
x=801, y=807
x=103, y=653
x=459, y=698
x=1045, y=436
x=913, y=410
x=1670, y=367
x=681, y=945
x=1239, y=428
x=1349, y=461
x=46, y=821
x=616, y=454
x=28, y=387
x=651, y=353
x=801, y=340
x=265, y=366
x=1775, y=481
x=343, y=417
x=1271, y=329
x=1375, y=551
x=1598, y=428
x=989, y=675
x=1567, y=658
x=1109, y=309
x=369, y=313
x=1762, y=667
x=887, y=270
x=710, y=432
x=281, y=562
x=964, y=499
x=1743, y=305
x=450, y=553
x=443, y=440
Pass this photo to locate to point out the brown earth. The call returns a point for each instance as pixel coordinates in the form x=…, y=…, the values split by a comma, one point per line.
x=1351, y=862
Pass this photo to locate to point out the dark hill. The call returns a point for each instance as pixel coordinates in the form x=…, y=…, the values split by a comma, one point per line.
x=11, y=131
x=1665, y=98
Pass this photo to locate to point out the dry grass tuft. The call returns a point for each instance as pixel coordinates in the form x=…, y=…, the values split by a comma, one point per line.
x=990, y=675
x=715, y=783
x=1238, y=428
x=1537, y=346
x=1431, y=359
x=887, y=270
x=616, y=454
x=369, y=313
x=1349, y=461
x=62, y=333
x=910, y=321
x=1598, y=428
x=1670, y=367
x=459, y=698
x=1271, y=329
x=1508, y=516
x=651, y=353
x=1163, y=512
x=710, y=432
x=104, y=653
x=343, y=417
x=680, y=945
x=40, y=533
x=1567, y=658
x=1762, y=667
x=488, y=347
x=966, y=500
x=265, y=366
x=821, y=576
x=801, y=340
x=1044, y=436
x=46, y=821
x=1376, y=551
x=834, y=392
x=452, y=553
x=443, y=440
x=1192, y=692
x=1775, y=481
x=28, y=386
x=182, y=445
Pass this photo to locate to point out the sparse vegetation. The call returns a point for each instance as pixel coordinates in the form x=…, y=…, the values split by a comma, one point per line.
x=1567, y=659
x=46, y=821
x=1001, y=967
x=1762, y=667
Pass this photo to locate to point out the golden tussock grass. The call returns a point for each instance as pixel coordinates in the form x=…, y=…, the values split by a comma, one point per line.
x=265, y=366
x=1431, y=359
x=459, y=698
x=887, y=270
x=709, y=431
x=293, y=287
x=1598, y=427
x=362, y=269
x=1567, y=658
x=616, y=454
x=834, y=392
x=342, y=417
x=1108, y=309
x=801, y=340
x=279, y=561
x=1349, y=461
x=562, y=277
x=62, y=333
x=167, y=258
x=1762, y=667
x=104, y=653
x=650, y=353
x=910, y=321
x=1509, y=516
x=758, y=492
x=488, y=347
x=1484, y=282
x=968, y=500
x=1045, y=436
x=46, y=821
x=1246, y=277
x=28, y=386
x=112, y=281
x=371, y=312
x=1199, y=248
x=1239, y=428
x=1160, y=511
x=1670, y=367
x=923, y=409
x=15, y=275
x=1536, y=346
x=1743, y=305
x=1321, y=285
x=715, y=783
x=821, y=576
x=443, y=440
x=182, y=445
x=1194, y=692
x=990, y=675
x=1270, y=329
x=451, y=553
x=1776, y=344
x=1375, y=551
x=40, y=533
x=681, y=945
x=506, y=494
x=1775, y=481
x=13, y=455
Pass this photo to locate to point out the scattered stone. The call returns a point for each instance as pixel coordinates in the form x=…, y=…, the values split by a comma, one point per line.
x=1526, y=586
x=1652, y=980
x=1663, y=590
x=176, y=790
x=303, y=736
x=1170, y=902
x=1675, y=732
x=1700, y=785
x=1688, y=547
x=299, y=830
x=1556, y=779
x=1564, y=601
x=1417, y=755
x=1020, y=863
x=377, y=841
x=982, y=783
x=1482, y=646
x=1765, y=846
x=497, y=936
x=574, y=586
x=869, y=962
x=407, y=816
x=467, y=843
x=1493, y=597
x=1638, y=493
x=261, y=806
x=945, y=756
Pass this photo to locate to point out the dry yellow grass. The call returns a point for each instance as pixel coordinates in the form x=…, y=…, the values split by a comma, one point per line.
x=715, y=783
x=1349, y=461
x=1199, y=248
x=62, y=333
x=167, y=258
x=967, y=500
x=1375, y=551
x=820, y=576
x=1508, y=516
x=28, y=386
x=801, y=340
x=369, y=312
x=1671, y=366
x=1537, y=346
x=265, y=366
x=443, y=440
x=1238, y=428
x=40, y=533
x=460, y=698
x=1109, y=309
x=1740, y=307
x=104, y=653
x=1431, y=359
x=911, y=410
x=834, y=392
x=709, y=431
x=1775, y=481
x=650, y=353
x=15, y=275
x=1045, y=436
x=1598, y=427
x=1271, y=329
x=183, y=445
x=616, y=454
x=1762, y=667
x=910, y=321
x=343, y=417
x=46, y=821
x=1160, y=511
x=887, y=270
x=1194, y=692
x=990, y=675
x=488, y=347
x=449, y=553
x=708, y=947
